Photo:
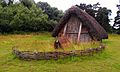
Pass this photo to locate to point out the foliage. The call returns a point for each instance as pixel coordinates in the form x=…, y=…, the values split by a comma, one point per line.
x=116, y=25
x=103, y=18
x=17, y=17
x=107, y=61
x=101, y=14
x=6, y=2
x=27, y=16
x=31, y=19
x=6, y=16
x=53, y=13
x=27, y=3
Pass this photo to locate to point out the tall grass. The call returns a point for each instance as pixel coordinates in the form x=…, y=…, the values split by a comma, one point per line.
x=40, y=42
x=107, y=61
x=81, y=46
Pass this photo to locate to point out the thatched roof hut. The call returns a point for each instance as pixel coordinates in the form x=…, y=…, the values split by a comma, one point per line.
x=77, y=25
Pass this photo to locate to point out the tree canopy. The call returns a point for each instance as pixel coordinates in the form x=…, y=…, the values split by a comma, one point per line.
x=26, y=16
x=116, y=25
x=101, y=14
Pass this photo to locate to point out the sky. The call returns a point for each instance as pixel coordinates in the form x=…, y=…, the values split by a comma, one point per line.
x=65, y=4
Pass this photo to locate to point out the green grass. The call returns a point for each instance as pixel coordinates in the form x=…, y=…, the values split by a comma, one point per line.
x=107, y=61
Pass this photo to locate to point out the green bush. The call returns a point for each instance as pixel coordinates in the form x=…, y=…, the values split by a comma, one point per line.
x=20, y=18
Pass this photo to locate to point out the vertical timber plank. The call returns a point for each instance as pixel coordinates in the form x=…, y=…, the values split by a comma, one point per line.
x=64, y=32
x=80, y=27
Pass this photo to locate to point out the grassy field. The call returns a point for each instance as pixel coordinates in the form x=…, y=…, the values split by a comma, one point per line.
x=107, y=61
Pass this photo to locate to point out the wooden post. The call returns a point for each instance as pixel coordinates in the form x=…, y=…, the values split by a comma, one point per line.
x=64, y=30
x=80, y=27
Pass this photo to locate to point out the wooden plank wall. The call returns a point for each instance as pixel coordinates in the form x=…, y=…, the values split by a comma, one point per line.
x=74, y=31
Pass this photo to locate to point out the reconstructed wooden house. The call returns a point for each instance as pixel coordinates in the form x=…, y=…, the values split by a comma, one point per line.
x=78, y=26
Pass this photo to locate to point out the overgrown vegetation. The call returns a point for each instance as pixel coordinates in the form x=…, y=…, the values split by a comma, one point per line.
x=26, y=16
x=107, y=61
x=43, y=42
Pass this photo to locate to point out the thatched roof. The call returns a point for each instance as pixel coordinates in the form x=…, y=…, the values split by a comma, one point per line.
x=96, y=29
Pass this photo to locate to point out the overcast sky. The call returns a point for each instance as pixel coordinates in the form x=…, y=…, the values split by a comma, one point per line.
x=65, y=4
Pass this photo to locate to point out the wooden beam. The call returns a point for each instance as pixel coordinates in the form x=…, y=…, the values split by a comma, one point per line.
x=80, y=27
x=64, y=32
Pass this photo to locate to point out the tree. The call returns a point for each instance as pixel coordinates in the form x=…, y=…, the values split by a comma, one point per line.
x=116, y=25
x=26, y=16
x=6, y=15
x=18, y=17
x=10, y=2
x=3, y=3
x=101, y=14
x=90, y=9
x=6, y=2
x=27, y=3
x=53, y=13
x=31, y=19
x=103, y=18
